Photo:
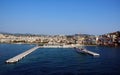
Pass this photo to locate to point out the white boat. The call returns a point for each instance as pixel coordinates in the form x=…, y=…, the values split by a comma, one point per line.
x=81, y=50
x=85, y=51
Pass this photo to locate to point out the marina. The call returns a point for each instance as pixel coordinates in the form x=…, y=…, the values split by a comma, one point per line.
x=22, y=55
x=53, y=61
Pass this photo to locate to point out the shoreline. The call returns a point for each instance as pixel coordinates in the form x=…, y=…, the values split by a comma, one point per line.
x=52, y=46
x=64, y=46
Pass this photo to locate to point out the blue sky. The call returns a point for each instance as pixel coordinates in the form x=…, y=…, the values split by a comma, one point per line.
x=60, y=16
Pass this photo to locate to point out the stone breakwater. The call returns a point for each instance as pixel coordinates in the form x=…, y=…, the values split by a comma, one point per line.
x=59, y=46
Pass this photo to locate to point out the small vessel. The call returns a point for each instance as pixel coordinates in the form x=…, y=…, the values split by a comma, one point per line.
x=81, y=50
x=85, y=51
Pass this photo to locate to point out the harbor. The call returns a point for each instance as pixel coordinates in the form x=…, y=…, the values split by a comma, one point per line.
x=54, y=59
x=22, y=55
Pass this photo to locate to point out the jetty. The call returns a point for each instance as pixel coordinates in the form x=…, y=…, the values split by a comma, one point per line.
x=22, y=55
x=87, y=52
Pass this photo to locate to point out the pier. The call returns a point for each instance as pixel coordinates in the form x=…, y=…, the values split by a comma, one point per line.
x=91, y=53
x=87, y=52
x=22, y=55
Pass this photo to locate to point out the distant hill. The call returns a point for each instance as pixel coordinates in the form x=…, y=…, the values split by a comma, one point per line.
x=19, y=34
x=28, y=34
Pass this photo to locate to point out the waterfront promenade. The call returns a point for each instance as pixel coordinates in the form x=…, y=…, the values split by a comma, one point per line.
x=22, y=55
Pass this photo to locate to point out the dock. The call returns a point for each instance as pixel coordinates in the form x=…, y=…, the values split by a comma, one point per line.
x=91, y=53
x=22, y=55
x=88, y=52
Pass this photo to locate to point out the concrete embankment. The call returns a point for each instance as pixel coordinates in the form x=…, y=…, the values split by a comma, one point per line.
x=22, y=55
x=91, y=53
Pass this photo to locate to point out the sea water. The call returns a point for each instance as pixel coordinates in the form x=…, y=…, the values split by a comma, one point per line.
x=59, y=61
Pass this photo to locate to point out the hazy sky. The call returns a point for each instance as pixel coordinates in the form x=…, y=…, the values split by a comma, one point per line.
x=59, y=16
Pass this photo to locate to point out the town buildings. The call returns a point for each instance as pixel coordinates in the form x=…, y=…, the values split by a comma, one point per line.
x=48, y=39
x=110, y=39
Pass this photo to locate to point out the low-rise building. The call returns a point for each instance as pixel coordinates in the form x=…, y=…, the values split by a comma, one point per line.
x=110, y=39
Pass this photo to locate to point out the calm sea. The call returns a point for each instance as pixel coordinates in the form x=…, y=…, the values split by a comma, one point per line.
x=60, y=61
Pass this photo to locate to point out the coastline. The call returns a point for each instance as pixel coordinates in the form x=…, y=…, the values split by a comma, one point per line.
x=52, y=46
